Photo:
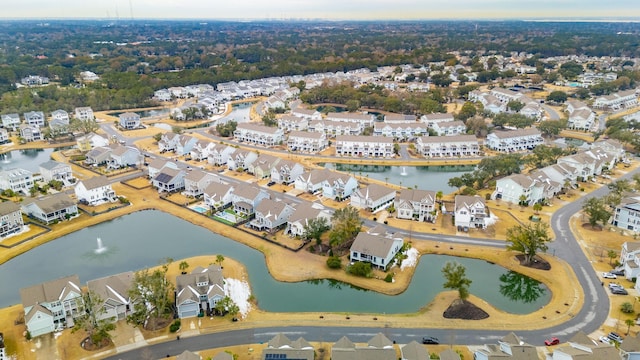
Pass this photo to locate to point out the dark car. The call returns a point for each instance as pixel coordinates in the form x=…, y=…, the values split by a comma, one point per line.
x=619, y=291
x=430, y=340
x=271, y=183
x=618, y=272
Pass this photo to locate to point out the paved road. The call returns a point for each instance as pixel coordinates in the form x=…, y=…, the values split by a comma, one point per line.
x=553, y=115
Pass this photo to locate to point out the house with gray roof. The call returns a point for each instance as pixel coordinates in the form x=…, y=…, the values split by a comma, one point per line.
x=510, y=347
x=286, y=171
x=169, y=180
x=157, y=164
x=30, y=133
x=378, y=347
x=246, y=198
x=261, y=167
x=307, y=141
x=447, y=146
x=280, y=347
x=257, y=134
x=84, y=113
x=470, y=212
x=271, y=215
x=309, y=114
x=51, y=305
x=241, y=159
x=59, y=120
x=201, y=150
x=188, y=355
x=449, y=354
x=218, y=195
x=99, y=155
x=34, y=118
x=581, y=347
x=630, y=348
x=185, y=144
x=196, y=180
x=416, y=204
x=129, y=121
x=374, y=248
x=11, y=220
x=168, y=142
x=311, y=181
x=16, y=180
x=220, y=154
x=122, y=156
x=223, y=356
x=55, y=170
x=292, y=123
x=95, y=191
x=303, y=213
x=414, y=351
x=199, y=291
x=10, y=121
x=50, y=208
x=514, y=140
x=113, y=290
x=4, y=136
x=364, y=146
x=373, y=197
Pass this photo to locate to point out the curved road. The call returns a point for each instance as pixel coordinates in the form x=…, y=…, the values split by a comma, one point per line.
x=590, y=317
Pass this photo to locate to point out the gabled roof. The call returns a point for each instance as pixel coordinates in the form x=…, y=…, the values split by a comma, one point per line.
x=380, y=341
x=374, y=191
x=449, y=354
x=371, y=244
x=8, y=207
x=468, y=201
x=344, y=343
x=114, y=287
x=52, y=203
x=188, y=355
x=95, y=182
x=414, y=351
x=50, y=291
x=51, y=164
x=279, y=341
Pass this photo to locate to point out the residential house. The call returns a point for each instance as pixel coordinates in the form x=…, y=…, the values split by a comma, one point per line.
x=518, y=189
x=54, y=170
x=90, y=141
x=10, y=121
x=16, y=180
x=612, y=148
x=448, y=146
x=630, y=260
x=373, y=197
x=59, y=120
x=575, y=105
x=34, y=118
x=365, y=119
x=307, y=142
x=286, y=172
x=470, y=212
x=113, y=291
x=196, y=180
x=364, y=146
x=220, y=154
x=3, y=354
x=290, y=123
x=379, y=347
x=449, y=354
x=84, y=113
x=11, y=221
x=619, y=100
x=99, y=155
x=301, y=216
x=50, y=208
x=335, y=128
x=377, y=249
x=201, y=150
x=586, y=163
x=280, y=347
x=435, y=118
x=271, y=215
x=199, y=291
x=261, y=167
x=563, y=174
x=339, y=186
x=399, y=119
x=129, y=121
x=416, y=204
x=30, y=133
x=630, y=348
x=583, y=119
x=414, y=351
x=188, y=355
x=514, y=140
x=169, y=180
x=122, y=156
x=168, y=142
x=400, y=131
x=257, y=134
x=581, y=347
x=241, y=159
x=246, y=197
x=311, y=181
x=95, y=191
x=157, y=164
x=33, y=80
x=162, y=95
x=51, y=305
x=4, y=136
x=218, y=195
x=309, y=114
x=489, y=102
x=509, y=347
x=185, y=144
x=451, y=128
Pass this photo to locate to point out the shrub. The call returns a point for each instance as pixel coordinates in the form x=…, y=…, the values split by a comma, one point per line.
x=175, y=326
x=487, y=196
x=360, y=269
x=334, y=262
x=626, y=308
x=389, y=278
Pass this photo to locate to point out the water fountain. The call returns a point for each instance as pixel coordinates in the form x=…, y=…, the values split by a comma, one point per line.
x=403, y=171
x=101, y=248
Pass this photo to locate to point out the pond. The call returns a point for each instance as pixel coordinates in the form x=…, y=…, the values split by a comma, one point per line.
x=240, y=112
x=425, y=177
x=145, y=113
x=144, y=238
x=28, y=159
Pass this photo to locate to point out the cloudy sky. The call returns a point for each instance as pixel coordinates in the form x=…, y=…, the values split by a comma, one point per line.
x=324, y=9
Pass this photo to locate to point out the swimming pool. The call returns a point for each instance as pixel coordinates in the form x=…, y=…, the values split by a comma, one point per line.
x=200, y=209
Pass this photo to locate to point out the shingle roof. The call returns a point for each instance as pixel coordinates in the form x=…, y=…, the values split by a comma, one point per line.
x=50, y=291
x=95, y=182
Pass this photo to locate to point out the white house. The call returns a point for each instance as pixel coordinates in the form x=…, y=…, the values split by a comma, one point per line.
x=364, y=119
x=580, y=346
x=286, y=172
x=169, y=180
x=509, y=347
x=54, y=170
x=271, y=215
x=10, y=121
x=416, y=204
x=379, y=250
x=154, y=167
x=51, y=305
x=95, y=191
x=448, y=146
x=84, y=113
x=16, y=180
x=51, y=208
x=450, y=128
x=11, y=220
x=619, y=100
x=129, y=121
x=90, y=141
x=435, y=118
x=168, y=142
x=401, y=131
x=301, y=216
x=122, y=156
x=113, y=290
x=196, y=180
x=4, y=136
x=582, y=119
x=30, y=133
x=280, y=347
x=220, y=154
x=373, y=197
x=258, y=134
x=364, y=146
x=309, y=114
x=199, y=291
x=307, y=142
x=218, y=195
x=470, y=212
x=514, y=140
x=246, y=197
x=59, y=119
x=241, y=159
x=335, y=128
x=34, y=118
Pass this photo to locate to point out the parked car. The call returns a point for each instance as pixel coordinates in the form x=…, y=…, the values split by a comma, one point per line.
x=619, y=291
x=271, y=183
x=618, y=272
x=608, y=275
x=430, y=340
x=552, y=341
x=604, y=339
x=615, y=337
x=615, y=285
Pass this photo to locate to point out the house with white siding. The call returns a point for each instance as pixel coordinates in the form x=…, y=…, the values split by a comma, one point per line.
x=583, y=119
x=59, y=119
x=580, y=346
x=379, y=347
x=99, y=155
x=218, y=195
x=51, y=208
x=373, y=197
x=169, y=180
x=630, y=253
x=122, y=156
x=199, y=291
x=619, y=100
x=113, y=290
x=303, y=213
x=514, y=140
x=400, y=131
x=196, y=180
x=286, y=172
x=435, y=118
x=309, y=114
x=11, y=220
x=129, y=121
x=399, y=119
x=448, y=146
x=261, y=167
x=201, y=150
x=377, y=249
x=364, y=146
x=220, y=154
x=519, y=188
x=185, y=144
x=16, y=180
x=271, y=215
x=55, y=170
x=4, y=136
x=241, y=159
x=34, y=118
x=154, y=167
x=292, y=123
x=90, y=141
x=84, y=113
x=257, y=134
x=10, y=121
x=30, y=133
x=450, y=128
x=280, y=347
x=307, y=142
x=49, y=306
x=246, y=197
x=470, y=212
x=335, y=128
x=509, y=347
x=416, y=204
x=364, y=119
x=95, y=191
x=168, y=142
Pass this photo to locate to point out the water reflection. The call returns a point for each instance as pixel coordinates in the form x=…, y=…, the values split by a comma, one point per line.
x=335, y=284
x=521, y=288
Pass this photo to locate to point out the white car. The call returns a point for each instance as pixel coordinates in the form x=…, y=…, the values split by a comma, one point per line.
x=608, y=275
x=604, y=339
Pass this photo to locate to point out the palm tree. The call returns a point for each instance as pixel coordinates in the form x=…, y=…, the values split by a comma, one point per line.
x=629, y=323
x=439, y=195
x=219, y=259
x=611, y=254
x=537, y=207
x=183, y=266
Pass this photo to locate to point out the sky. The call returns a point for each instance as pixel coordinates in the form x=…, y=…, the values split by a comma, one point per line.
x=321, y=9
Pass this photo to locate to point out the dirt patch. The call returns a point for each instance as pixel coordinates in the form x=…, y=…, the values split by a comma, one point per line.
x=592, y=228
x=464, y=310
x=157, y=323
x=88, y=345
x=538, y=263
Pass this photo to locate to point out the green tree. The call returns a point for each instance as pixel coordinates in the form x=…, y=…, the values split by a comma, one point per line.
x=611, y=254
x=626, y=307
x=183, y=266
x=456, y=182
x=177, y=130
x=157, y=136
x=153, y=293
x=619, y=186
x=396, y=148
x=528, y=239
x=456, y=279
x=596, y=210
x=269, y=119
x=557, y=97
x=537, y=207
x=551, y=127
x=467, y=111
x=353, y=105
x=219, y=259
x=346, y=224
x=314, y=228
x=334, y=262
x=91, y=322
x=515, y=105
x=360, y=268
x=226, y=129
